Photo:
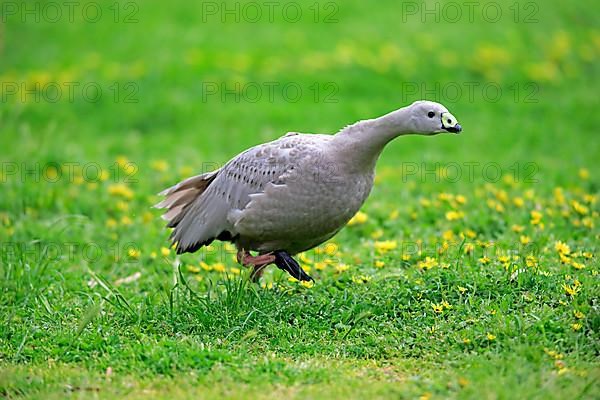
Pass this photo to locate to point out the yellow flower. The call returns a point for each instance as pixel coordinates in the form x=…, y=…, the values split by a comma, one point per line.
x=579, y=208
x=564, y=259
x=437, y=308
x=576, y=326
x=320, y=265
x=134, y=253
x=165, y=251
x=153, y=255
x=466, y=340
x=587, y=255
x=448, y=235
x=394, y=215
x=562, y=248
x=468, y=248
x=460, y=199
x=578, y=314
x=120, y=189
x=377, y=234
x=159, y=165
x=462, y=290
x=531, y=261
x=379, y=264
x=218, y=267
x=235, y=270
x=111, y=223
x=484, y=260
x=454, y=215
x=341, y=268
x=358, y=219
x=518, y=202
x=193, y=269
x=536, y=217
x=584, y=174
x=571, y=290
x=517, y=228
x=525, y=240
x=428, y=263
x=125, y=220
x=577, y=265
x=361, y=279
x=446, y=305
x=405, y=257
x=307, y=284
x=490, y=337
x=385, y=246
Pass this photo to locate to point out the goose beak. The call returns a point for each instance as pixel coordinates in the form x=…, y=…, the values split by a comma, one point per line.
x=450, y=124
x=454, y=129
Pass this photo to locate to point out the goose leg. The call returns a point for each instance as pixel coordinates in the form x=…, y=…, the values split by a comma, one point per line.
x=258, y=263
x=285, y=262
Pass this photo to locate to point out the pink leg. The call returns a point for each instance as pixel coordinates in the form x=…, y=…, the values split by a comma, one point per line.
x=259, y=263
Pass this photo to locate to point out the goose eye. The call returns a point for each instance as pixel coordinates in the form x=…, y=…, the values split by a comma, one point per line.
x=449, y=120
x=431, y=114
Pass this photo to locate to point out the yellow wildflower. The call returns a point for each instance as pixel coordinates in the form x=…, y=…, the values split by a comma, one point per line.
x=428, y=263
x=218, y=267
x=134, y=253
x=341, y=268
x=193, y=269
x=490, y=337
x=462, y=290
x=577, y=265
x=358, y=219
x=159, y=165
x=571, y=290
x=111, y=223
x=120, y=189
x=125, y=220
x=525, y=240
x=437, y=308
x=531, y=261
x=518, y=202
x=377, y=234
x=361, y=279
x=579, y=208
x=307, y=284
x=536, y=217
x=484, y=260
x=517, y=228
x=578, y=314
x=379, y=264
x=385, y=246
x=562, y=248
x=584, y=174
x=320, y=265
x=468, y=248
x=165, y=251
x=576, y=326
x=454, y=215
x=235, y=270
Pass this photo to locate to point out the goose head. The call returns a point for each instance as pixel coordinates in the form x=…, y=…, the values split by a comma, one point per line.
x=430, y=118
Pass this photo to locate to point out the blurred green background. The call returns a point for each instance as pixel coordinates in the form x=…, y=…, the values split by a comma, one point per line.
x=150, y=92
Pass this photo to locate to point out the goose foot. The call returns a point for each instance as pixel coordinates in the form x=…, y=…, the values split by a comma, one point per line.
x=285, y=262
x=258, y=263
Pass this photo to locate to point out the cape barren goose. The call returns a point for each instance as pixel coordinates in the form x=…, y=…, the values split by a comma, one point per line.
x=289, y=195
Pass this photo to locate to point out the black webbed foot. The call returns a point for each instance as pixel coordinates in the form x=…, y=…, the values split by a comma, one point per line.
x=285, y=262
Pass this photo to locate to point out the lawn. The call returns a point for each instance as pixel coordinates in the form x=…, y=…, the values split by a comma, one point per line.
x=471, y=271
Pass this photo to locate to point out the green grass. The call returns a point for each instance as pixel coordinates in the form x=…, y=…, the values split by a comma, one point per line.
x=446, y=286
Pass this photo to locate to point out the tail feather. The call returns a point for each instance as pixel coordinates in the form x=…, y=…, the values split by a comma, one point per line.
x=179, y=197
